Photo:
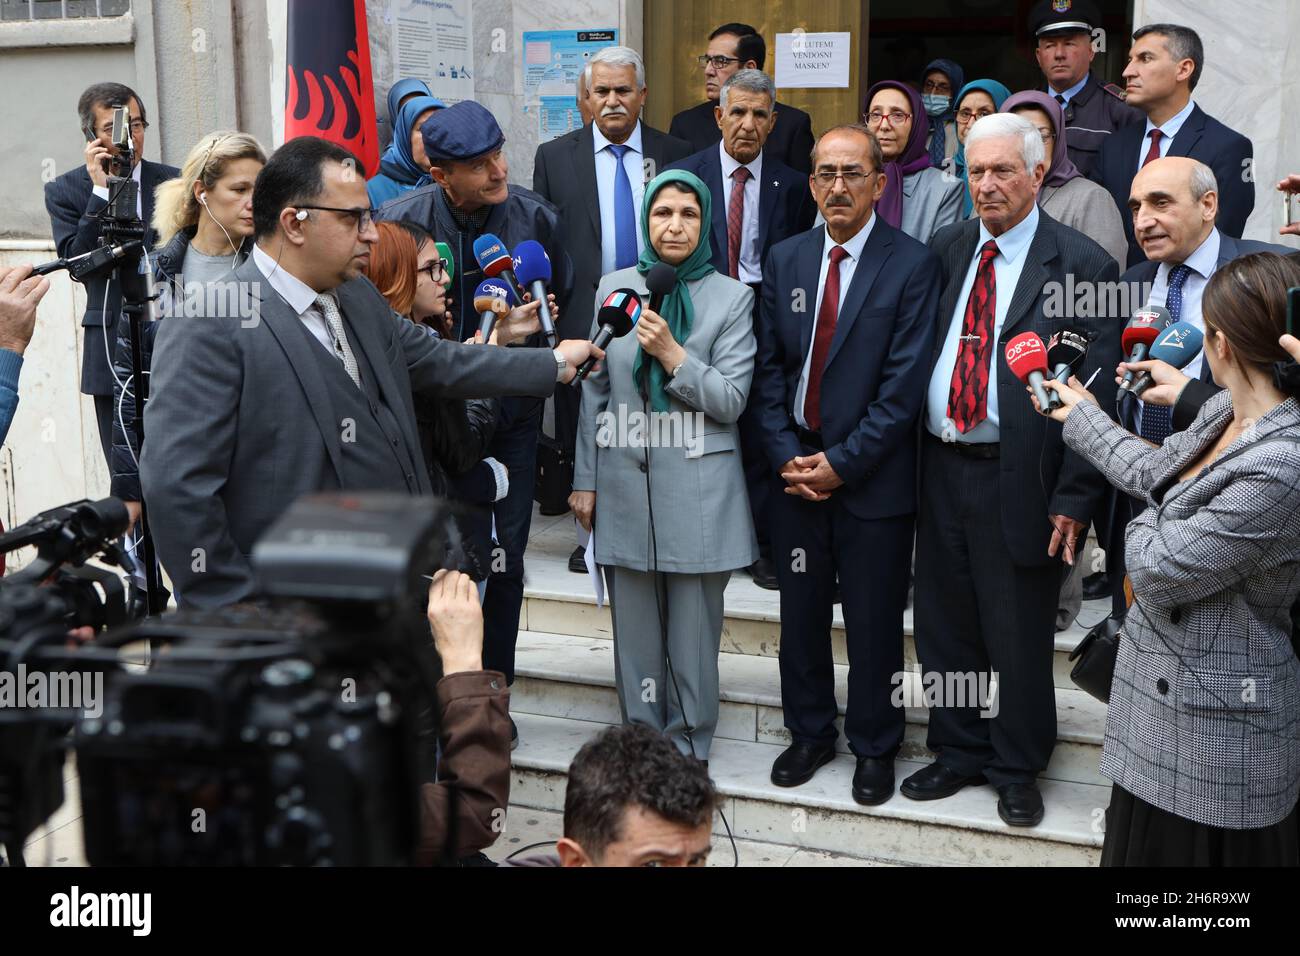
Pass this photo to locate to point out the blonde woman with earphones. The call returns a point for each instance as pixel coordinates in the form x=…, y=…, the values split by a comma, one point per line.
x=204, y=221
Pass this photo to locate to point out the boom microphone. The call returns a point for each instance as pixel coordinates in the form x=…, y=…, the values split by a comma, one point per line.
x=533, y=268
x=1139, y=334
x=1176, y=346
x=1066, y=351
x=617, y=315
x=492, y=299
x=1027, y=359
x=79, y=267
x=495, y=261
x=660, y=281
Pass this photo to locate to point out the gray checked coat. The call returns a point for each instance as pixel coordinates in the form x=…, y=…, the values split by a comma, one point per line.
x=1204, y=717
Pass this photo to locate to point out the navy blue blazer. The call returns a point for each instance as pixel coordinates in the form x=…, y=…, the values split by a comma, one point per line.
x=1202, y=137
x=785, y=203
x=791, y=141
x=874, y=382
x=73, y=208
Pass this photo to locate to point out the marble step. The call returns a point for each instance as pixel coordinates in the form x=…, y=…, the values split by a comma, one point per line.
x=559, y=675
x=963, y=830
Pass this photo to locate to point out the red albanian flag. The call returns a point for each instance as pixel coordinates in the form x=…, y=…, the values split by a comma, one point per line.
x=329, y=90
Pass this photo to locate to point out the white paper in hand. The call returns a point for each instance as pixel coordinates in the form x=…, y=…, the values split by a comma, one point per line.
x=597, y=581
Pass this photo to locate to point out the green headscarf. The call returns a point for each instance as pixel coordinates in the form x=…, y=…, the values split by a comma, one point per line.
x=677, y=309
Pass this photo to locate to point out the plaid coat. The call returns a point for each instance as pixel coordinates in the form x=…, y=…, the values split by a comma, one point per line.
x=1204, y=717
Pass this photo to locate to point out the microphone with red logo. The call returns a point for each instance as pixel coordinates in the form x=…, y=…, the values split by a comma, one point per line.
x=618, y=313
x=1027, y=359
x=496, y=262
x=1139, y=335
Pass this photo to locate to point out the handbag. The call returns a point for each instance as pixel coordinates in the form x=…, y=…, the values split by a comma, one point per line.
x=1095, y=657
x=554, y=476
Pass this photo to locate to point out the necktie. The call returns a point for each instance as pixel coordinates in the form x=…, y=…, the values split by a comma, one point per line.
x=969, y=392
x=1154, y=151
x=625, y=252
x=735, y=219
x=827, y=315
x=1060, y=99
x=325, y=302
x=1157, y=421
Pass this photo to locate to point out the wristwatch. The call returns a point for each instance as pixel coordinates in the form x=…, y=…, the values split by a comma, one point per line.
x=676, y=369
x=561, y=364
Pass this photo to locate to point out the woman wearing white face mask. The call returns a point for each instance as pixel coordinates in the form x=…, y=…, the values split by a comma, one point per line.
x=942, y=79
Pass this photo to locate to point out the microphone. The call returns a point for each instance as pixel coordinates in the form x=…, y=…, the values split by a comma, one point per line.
x=1066, y=351
x=660, y=281
x=1139, y=334
x=495, y=261
x=533, y=269
x=444, y=251
x=492, y=299
x=618, y=313
x=79, y=267
x=1176, y=346
x=1027, y=359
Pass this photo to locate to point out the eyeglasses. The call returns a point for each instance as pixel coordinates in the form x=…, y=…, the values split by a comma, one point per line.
x=937, y=87
x=852, y=177
x=966, y=116
x=719, y=62
x=436, y=270
x=364, y=217
x=137, y=126
x=895, y=117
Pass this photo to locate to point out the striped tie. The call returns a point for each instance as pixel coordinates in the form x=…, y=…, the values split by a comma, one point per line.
x=735, y=219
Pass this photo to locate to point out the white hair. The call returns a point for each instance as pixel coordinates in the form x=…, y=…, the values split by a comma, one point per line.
x=998, y=125
x=751, y=81
x=618, y=56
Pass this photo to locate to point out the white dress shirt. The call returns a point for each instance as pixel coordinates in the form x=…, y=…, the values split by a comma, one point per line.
x=750, y=268
x=1169, y=127
x=634, y=163
x=300, y=297
x=1007, y=266
x=848, y=266
x=102, y=191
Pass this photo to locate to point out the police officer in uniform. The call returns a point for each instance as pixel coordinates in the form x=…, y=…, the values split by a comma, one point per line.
x=1063, y=31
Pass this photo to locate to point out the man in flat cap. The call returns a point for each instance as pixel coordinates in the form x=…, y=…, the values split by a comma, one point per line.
x=470, y=197
x=1093, y=110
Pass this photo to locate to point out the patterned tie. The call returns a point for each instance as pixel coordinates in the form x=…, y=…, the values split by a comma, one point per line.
x=968, y=395
x=1158, y=421
x=735, y=217
x=827, y=315
x=1154, y=152
x=325, y=302
x=625, y=251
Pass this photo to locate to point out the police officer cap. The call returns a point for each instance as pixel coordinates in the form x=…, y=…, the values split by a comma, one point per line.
x=1063, y=16
x=460, y=132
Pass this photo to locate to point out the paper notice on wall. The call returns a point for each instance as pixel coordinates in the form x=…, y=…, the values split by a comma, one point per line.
x=433, y=41
x=812, y=60
x=552, y=61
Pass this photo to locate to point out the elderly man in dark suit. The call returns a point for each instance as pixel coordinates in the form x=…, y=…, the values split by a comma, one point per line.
x=1164, y=67
x=758, y=201
x=304, y=387
x=733, y=47
x=1001, y=499
x=845, y=334
x=75, y=201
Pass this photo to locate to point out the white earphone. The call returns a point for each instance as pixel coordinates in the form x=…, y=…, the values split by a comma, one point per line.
x=203, y=198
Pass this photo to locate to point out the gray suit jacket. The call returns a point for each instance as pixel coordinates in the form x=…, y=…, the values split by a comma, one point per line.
x=931, y=200
x=239, y=424
x=701, y=507
x=1204, y=717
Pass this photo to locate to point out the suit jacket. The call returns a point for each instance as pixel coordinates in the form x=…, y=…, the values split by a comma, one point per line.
x=1091, y=116
x=1039, y=476
x=1202, y=720
x=239, y=421
x=785, y=203
x=702, y=520
x=73, y=209
x=1202, y=137
x=564, y=174
x=873, y=383
x=791, y=141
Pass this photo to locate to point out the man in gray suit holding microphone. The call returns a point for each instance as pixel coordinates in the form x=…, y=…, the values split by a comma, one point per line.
x=304, y=384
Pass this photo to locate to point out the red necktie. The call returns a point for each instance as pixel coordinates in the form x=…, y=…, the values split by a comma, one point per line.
x=735, y=218
x=968, y=395
x=827, y=315
x=1154, y=151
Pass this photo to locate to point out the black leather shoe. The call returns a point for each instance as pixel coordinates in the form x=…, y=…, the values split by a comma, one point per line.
x=1096, y=586
x=799, y=762
x=1020, y=805
x=763, y=574
x=578, y=560
x=936, y=782
x=873, y=781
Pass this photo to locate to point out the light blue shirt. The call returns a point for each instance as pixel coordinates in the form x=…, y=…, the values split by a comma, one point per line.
x=1169, y=127
x=1071, y=93
x=1007, y=266
x=848, y=266
x=634, y=163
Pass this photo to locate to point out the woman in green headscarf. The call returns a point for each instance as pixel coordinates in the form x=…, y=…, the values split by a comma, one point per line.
x=976, y=100
x=658, y=478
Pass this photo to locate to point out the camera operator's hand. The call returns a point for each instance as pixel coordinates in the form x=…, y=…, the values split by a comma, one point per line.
x=20, y=291
x=133, y=514
x=575, y=352
x=456, y=619
x=96, y=154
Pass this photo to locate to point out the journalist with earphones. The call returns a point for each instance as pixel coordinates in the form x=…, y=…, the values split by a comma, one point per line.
x=671, y=517
x=1203, y=729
